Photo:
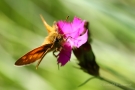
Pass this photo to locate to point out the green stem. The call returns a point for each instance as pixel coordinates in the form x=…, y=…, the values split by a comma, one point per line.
x=108, y=81
x=114, y=83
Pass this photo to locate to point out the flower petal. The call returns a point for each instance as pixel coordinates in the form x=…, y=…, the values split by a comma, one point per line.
x=81, y=39
x=71, y=29
x=78, y=25
x=76, y=21
x=65, y=54
x=64, y=27
x=75, y=31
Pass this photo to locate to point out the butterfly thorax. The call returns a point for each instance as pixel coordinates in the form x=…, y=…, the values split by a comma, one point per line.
x=50, y=38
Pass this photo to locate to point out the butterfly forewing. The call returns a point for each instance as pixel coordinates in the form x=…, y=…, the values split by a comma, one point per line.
x=33, y=55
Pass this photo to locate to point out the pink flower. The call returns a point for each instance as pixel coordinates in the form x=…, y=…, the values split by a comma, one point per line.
x=65, y=54
x=76, y=35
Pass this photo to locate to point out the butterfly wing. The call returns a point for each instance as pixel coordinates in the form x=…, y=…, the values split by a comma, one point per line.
x=34, y=55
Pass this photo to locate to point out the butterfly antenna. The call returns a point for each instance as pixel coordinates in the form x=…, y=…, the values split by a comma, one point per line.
x=67, y=18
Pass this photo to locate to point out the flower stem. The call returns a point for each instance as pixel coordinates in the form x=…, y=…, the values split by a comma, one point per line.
x=115, y=84
x=108, y=81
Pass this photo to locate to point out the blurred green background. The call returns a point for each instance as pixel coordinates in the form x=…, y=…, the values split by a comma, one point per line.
x=112, y=25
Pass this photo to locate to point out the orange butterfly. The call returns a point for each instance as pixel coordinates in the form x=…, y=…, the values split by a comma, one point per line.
x=52, y=42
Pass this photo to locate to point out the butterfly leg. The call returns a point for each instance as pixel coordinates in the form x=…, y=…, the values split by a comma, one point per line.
x=56, y=50
x=44, y=55
x=42, y=58
x=68, y=38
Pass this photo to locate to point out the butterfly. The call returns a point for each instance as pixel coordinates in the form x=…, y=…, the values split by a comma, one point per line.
x=53, y=42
